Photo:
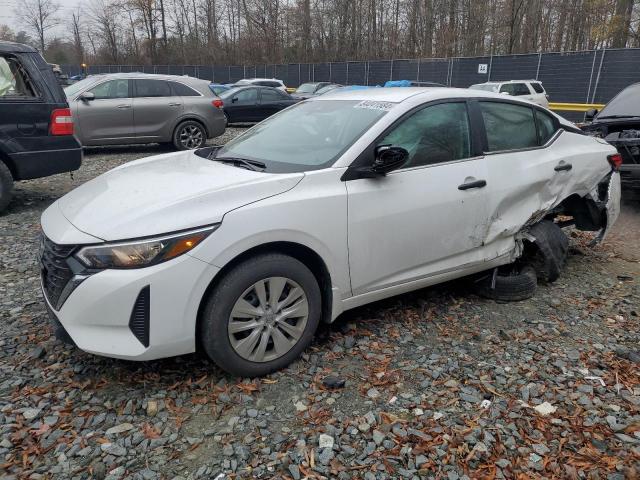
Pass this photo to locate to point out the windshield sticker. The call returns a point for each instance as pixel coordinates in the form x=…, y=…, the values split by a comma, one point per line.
x=372, y=105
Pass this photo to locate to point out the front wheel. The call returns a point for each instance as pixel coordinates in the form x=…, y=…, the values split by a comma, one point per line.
x=261, y=315
x=189, y=135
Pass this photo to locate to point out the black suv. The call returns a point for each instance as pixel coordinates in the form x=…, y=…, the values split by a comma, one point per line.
x=36, y=128
x=619, y=124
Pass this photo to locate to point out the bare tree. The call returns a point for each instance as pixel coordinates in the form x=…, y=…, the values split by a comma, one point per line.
x=38, y=16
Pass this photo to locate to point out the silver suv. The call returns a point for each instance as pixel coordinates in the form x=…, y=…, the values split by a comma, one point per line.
x=125, y=108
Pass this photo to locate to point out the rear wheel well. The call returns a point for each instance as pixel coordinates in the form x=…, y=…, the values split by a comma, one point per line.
x=300, y=252
x=586, y=213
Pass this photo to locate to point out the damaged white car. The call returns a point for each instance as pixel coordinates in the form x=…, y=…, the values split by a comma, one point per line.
x=333, y=203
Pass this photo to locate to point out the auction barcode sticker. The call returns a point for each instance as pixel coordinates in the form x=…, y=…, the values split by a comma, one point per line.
x=373, y=105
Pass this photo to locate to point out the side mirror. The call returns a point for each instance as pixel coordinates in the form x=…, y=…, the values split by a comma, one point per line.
x=87, y=96
x=389, y=158
x=590, y=114
x=505, y=93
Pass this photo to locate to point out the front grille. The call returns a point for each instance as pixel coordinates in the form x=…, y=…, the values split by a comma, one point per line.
x=54, y=269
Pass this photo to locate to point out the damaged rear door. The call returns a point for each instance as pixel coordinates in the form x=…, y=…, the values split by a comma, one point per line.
x=533, y=165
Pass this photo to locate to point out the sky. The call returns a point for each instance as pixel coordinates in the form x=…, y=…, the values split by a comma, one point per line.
x=8, y=17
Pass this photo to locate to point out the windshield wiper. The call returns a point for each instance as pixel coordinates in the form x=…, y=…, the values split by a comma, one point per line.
x=618, y=116
x=254, y=165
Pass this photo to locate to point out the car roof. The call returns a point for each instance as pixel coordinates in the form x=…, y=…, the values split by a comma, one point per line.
x=401, y=94
x=497, y=82
x=12, y=47
x=261, y=80
x=151, y=76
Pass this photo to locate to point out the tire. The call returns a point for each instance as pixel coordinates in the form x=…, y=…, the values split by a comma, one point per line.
x=6, y=186
x=189, y=135
x=253, y=351
x=226, y=119
x=512, y=283
x=552, y=250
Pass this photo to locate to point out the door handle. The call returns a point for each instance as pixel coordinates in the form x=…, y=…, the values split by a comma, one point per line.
x=175, y=104
x=474, y=184
x=124, y=106
x=563, y=167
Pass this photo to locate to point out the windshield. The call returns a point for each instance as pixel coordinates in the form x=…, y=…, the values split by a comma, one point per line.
x=306, y=88
x=626, y=103
x=487, y=87
x=73, y=90
x=307, y=136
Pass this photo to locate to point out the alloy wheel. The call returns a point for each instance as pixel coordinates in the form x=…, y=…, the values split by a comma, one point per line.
x=191, y=136
x=268, y=319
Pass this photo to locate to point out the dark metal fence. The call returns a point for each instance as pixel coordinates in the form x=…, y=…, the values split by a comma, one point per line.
x=592, y=76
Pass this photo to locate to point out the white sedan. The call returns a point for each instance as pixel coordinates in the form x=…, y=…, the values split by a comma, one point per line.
x=333, y=203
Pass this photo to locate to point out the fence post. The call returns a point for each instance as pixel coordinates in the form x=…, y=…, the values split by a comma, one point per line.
x=347, y=73
x=391, y=72
x=418, y=74
x=593, y=67
x=538, y=68
x=366, y=73
x=595, y=87
x=490, y=67
x=330, y=74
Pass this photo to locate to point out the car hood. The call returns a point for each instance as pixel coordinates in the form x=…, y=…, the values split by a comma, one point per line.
x=166, y=193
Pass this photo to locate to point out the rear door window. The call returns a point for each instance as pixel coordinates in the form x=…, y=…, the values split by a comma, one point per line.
x=515, y=89
x=152, y=88
x=14, y=80
x=537, y=87
x=111, y=89
x=509, y=126
x=546, y=126
x=182, y=90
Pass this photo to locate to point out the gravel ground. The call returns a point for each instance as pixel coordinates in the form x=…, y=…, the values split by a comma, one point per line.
x=437, y=384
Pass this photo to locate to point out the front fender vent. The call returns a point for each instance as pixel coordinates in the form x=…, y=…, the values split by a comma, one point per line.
x=139, y=321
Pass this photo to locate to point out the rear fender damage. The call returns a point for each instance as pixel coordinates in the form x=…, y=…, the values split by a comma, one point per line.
x=596, y=211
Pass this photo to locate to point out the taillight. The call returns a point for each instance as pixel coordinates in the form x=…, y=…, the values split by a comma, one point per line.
x=615, y=160
x=61, y=122
x=217, y=103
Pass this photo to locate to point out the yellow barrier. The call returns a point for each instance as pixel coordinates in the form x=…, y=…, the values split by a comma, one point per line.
x=575, y=107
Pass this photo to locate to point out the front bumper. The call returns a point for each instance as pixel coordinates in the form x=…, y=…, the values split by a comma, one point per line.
x=98, y=314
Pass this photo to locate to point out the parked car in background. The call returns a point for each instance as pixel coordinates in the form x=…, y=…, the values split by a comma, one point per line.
x=254, y=103
x=125, y=108
x=531, y=90
x=328, y=88
x=339, y=201
x=262, y=82
x=218, y=88
x=411, y=83
x=309, y=89
x=36, y=126
x=619, y=124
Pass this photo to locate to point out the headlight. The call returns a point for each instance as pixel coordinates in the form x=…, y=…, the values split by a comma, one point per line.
x=142, y=253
